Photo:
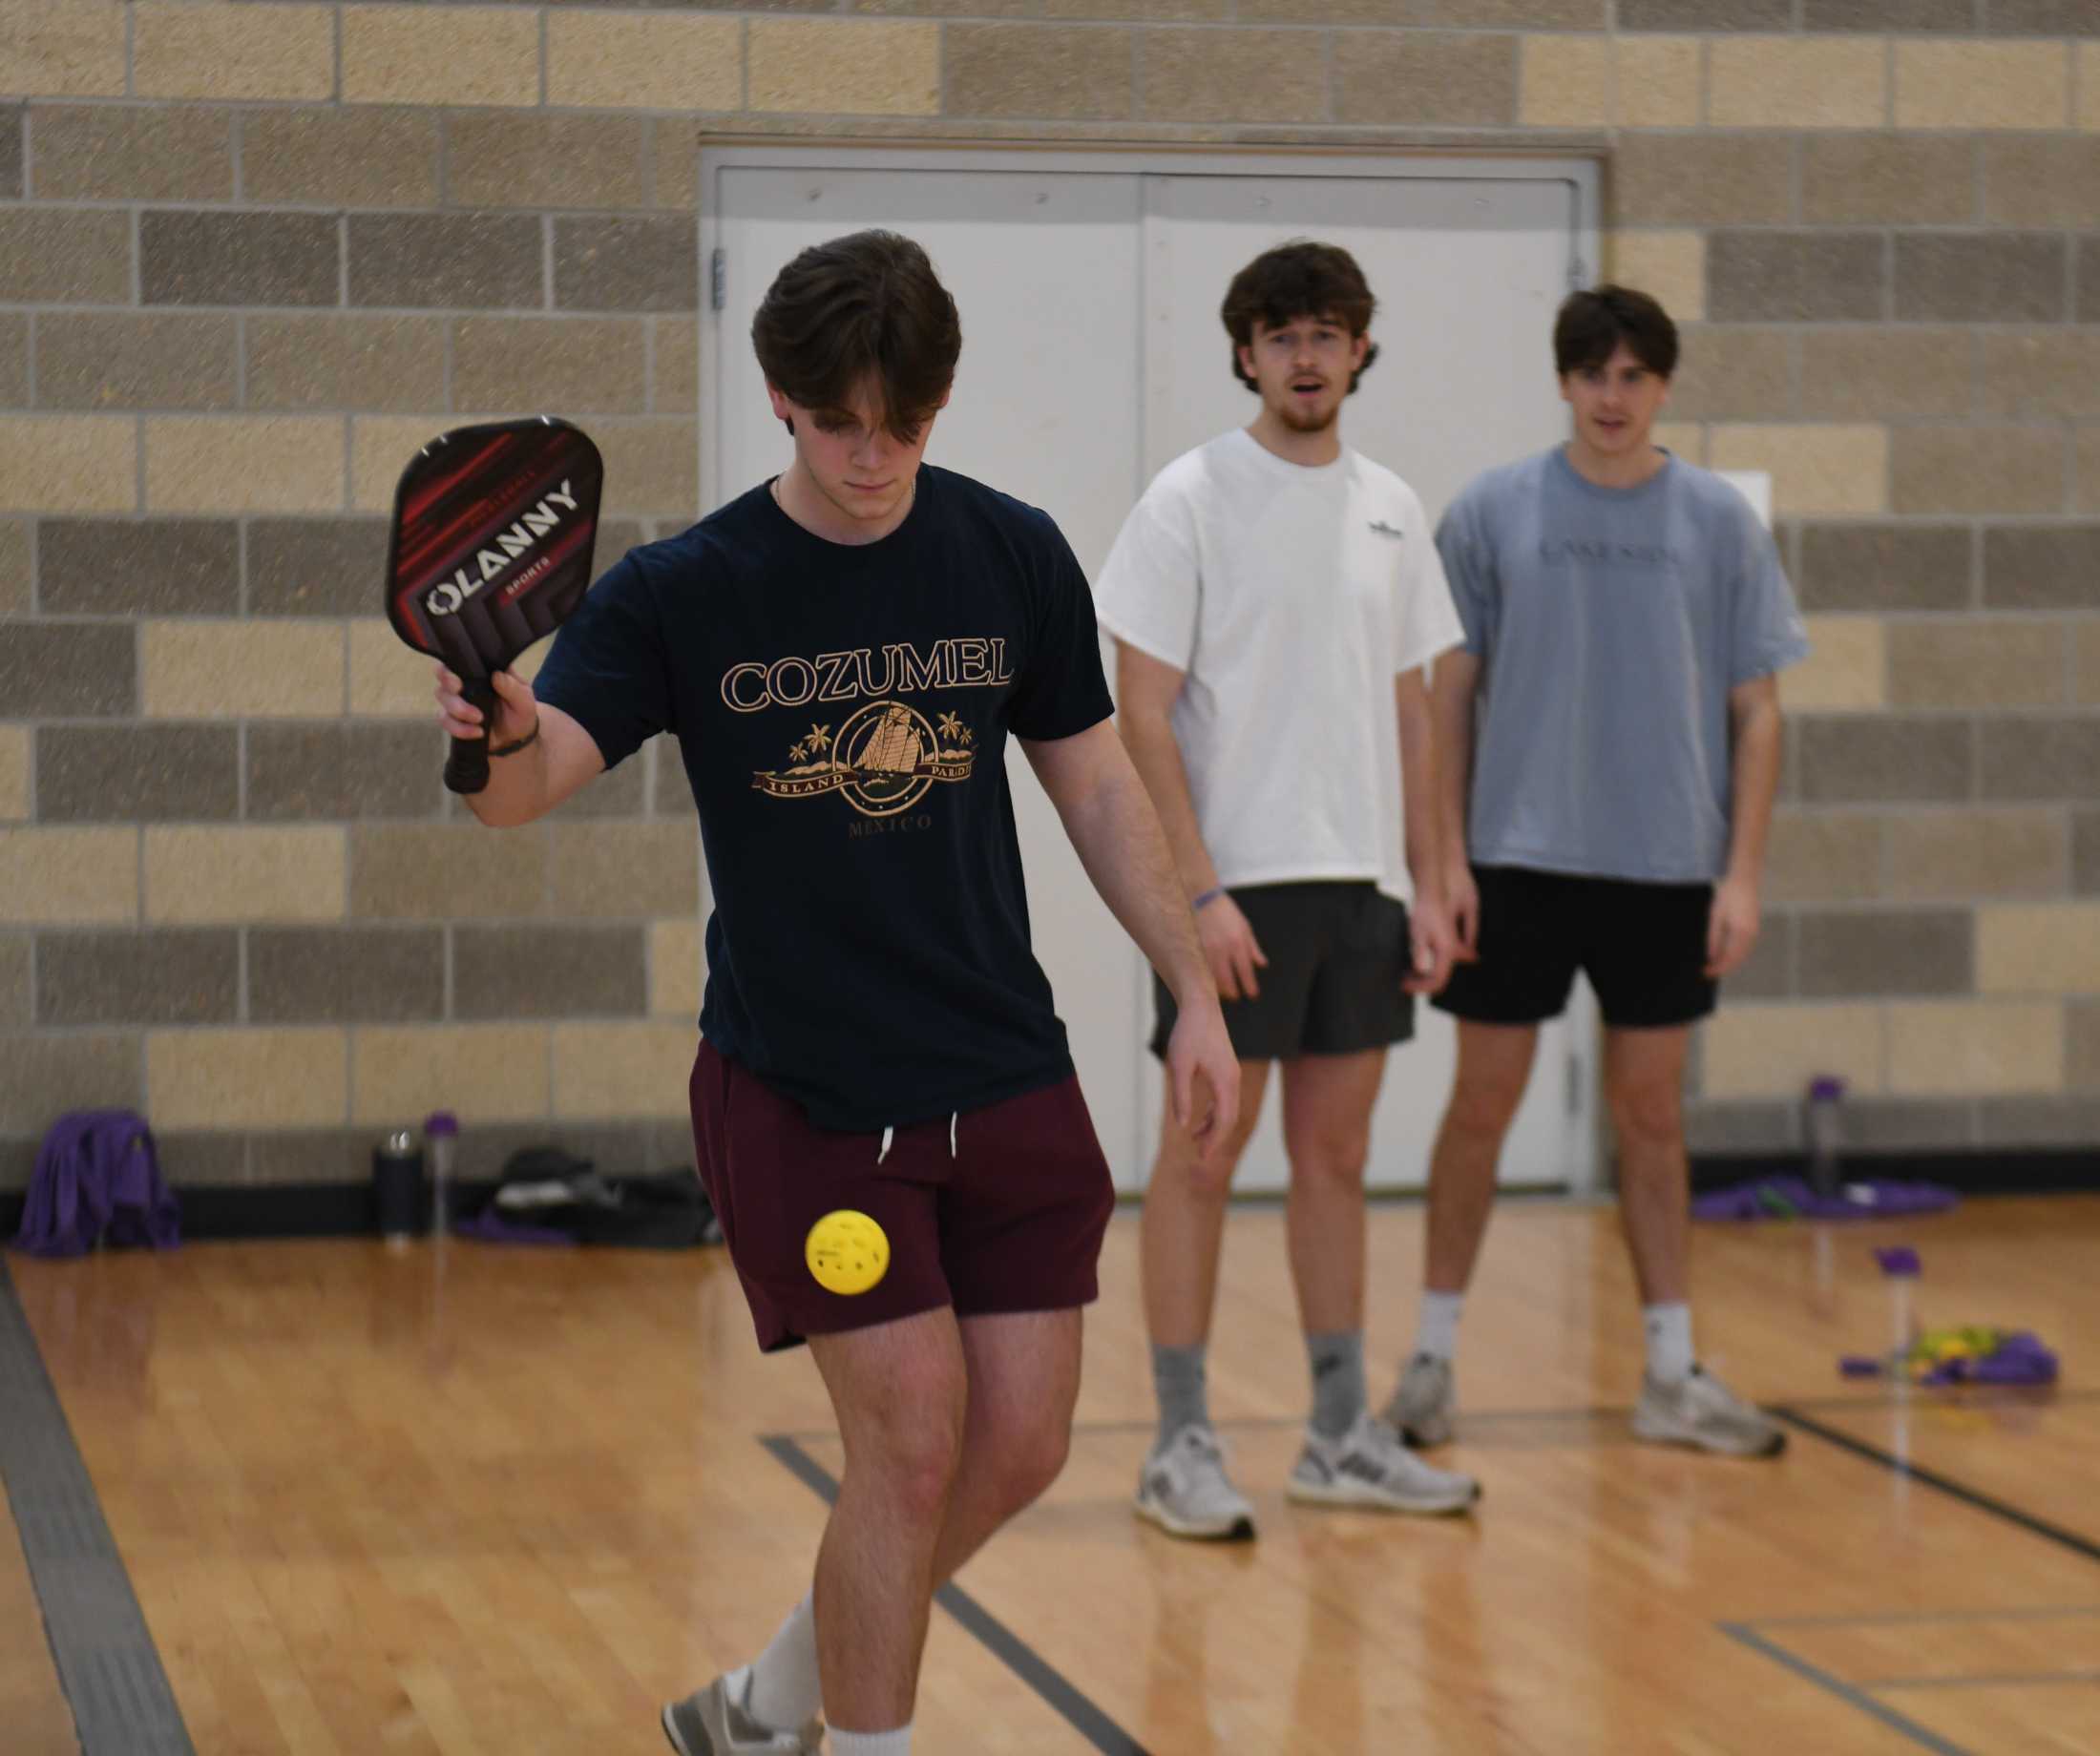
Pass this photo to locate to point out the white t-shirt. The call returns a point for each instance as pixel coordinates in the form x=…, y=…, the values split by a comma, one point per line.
x=1291, y=596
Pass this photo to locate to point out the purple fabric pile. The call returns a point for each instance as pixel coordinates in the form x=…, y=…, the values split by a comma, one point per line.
x=1792, y=1198
x=97, y=1182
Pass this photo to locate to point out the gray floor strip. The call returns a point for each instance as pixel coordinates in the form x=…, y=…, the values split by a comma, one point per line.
x=105, y=1657
x=1843, y=1691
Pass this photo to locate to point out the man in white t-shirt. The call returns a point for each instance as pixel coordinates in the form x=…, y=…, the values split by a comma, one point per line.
x=1276, y=599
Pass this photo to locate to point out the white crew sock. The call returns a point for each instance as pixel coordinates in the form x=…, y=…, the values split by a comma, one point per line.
x=1438, y=1334
x=896, y=1743
x=1670, y=1355
x=786, y=1690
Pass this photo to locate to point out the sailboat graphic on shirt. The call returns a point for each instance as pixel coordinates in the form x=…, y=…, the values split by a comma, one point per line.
x=885, y=759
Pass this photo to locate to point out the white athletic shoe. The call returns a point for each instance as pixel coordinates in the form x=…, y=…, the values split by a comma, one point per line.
x=1183, y=1489
x=710, y=1722
x=1422, y=1407
x=1368, y=1466
x=1701, y=1410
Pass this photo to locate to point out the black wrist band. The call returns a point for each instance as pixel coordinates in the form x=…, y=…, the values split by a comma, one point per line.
x=512, y=749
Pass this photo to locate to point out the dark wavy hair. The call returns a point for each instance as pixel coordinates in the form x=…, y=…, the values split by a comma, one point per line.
x=1299, y=278
x=1592, y=324
x=866, y=305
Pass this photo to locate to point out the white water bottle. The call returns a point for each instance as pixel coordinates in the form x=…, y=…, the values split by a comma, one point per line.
x=441, y=1137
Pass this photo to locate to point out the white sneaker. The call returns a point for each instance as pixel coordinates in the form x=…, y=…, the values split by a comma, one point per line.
x=1368, y=1466
x=711, y=1722
x=1701, y=1410
x=1185, y=1491
x=1422, y=1408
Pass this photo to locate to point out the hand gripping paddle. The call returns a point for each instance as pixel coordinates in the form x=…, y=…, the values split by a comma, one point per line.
x=490, y=551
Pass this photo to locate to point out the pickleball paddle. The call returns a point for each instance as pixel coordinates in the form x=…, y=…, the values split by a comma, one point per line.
x=490, y=551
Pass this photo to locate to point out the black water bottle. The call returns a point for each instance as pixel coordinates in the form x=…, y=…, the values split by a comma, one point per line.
x=398, y=1194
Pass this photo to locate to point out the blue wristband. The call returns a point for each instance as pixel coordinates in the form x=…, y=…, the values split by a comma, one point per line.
x=1210, y=896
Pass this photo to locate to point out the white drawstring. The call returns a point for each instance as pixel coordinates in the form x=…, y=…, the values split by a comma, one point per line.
x=890, y=1137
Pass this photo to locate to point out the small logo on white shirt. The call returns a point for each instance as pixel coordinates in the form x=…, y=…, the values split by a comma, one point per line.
x=1383, y=528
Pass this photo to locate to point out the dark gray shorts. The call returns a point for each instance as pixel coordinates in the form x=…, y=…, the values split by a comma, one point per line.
x=1338, y=953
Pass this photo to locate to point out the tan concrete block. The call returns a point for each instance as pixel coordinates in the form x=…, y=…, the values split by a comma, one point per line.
x=180, y=48
x=1728, y=372
x=122, y=153
x=1962, y=854
x=387, y=682
x=257, y=463
x=1566, y=82
x=244, y=874
x=1835, y=468
x=62, y=47
x=1077, y=73
x=499, y=159
x=652, y=468
x=675, y=383
x=580, y=365
x=340, y=158
x=1658, y=81
x=2037, y=947
x=1888, y=179
x=843, y=67
x=1703, y=180
x=15, y=567
x=410, y=871
x=246, y=1079
x=491, y=1073
x=1975, y=1048
x=2088, y=665
x=1976, y=469
x=1775, y=1050
x=2041, y=374
x=2089, y=85
x=381, y=444
x=675, y=958
x=338, y=362
x=69, y=877
x=1823, y=856
x=264, y=670
x=644, y=61
x=1669, y=267
x=69, y=464
x=1686, y=439
x=1982, y=85
x=623, y=1070
x=2088, y=468
x=1854, y=374
x=1847, y=666
x=14, y=772
x=1798, y=82
x=1977, y=662
x=647, y=870
x=1396, y=78
x=453, y=55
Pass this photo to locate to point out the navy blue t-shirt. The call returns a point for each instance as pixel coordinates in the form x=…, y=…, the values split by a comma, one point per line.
x=843, y=711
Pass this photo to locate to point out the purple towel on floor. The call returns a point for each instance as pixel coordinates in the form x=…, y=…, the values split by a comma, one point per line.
x=1773, y=1198
x=489, y=1227
x=97, y=1181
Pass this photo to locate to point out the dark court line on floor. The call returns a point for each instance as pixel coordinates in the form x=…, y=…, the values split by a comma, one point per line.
x=2072, y=1541
x=1844, y=1691
x=107, y=1664
x=1052, y=1685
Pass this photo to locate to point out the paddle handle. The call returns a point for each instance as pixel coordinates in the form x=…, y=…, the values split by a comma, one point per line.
x=467, y=768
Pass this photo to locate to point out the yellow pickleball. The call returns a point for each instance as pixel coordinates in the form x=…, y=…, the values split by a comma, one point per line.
x=846, y=1252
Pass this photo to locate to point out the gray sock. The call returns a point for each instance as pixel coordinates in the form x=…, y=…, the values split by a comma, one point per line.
x=1337, y=1381
x=1178, y=1380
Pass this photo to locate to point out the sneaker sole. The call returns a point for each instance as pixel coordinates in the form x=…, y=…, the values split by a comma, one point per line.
x=1239, y=1530
x=1350, y=1493
x=1654, y=1434
x=679, y=1744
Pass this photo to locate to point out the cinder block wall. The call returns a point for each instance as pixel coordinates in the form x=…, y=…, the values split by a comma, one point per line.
x=250, y=253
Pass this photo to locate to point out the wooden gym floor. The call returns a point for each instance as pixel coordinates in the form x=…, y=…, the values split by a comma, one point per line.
x=484, y=1500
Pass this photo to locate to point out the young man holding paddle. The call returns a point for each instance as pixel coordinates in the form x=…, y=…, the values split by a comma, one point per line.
x=884, y=1105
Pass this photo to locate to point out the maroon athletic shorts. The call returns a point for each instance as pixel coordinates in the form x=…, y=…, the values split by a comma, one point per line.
x=1003, y=1212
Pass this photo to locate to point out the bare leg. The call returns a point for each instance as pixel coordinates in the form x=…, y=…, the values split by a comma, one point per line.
x=900, y=1393
x=1643, y=1084
x=1494, y=1065
x=1184, y=1223
x=1327, y=1104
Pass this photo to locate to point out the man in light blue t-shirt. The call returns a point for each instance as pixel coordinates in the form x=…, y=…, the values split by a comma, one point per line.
x=1610, y=747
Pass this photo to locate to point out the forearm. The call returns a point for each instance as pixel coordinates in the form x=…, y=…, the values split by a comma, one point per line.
x=518, y=789
x=1156, y=756
x=1422, y=810
x=1754, y=771
x=1117, y=834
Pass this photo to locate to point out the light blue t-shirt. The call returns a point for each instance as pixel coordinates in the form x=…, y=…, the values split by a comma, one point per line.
x=1610, y=624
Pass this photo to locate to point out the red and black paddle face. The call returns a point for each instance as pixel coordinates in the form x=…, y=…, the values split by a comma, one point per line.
x=491, y=550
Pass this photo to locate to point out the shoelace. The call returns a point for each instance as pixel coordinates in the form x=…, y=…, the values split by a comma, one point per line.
x=890, y=1137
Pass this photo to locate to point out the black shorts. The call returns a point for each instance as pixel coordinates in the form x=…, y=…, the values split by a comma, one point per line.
x=1338, y=953
x=1643, y=946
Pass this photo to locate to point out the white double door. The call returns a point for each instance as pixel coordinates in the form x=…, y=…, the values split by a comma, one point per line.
x=1093, y=354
